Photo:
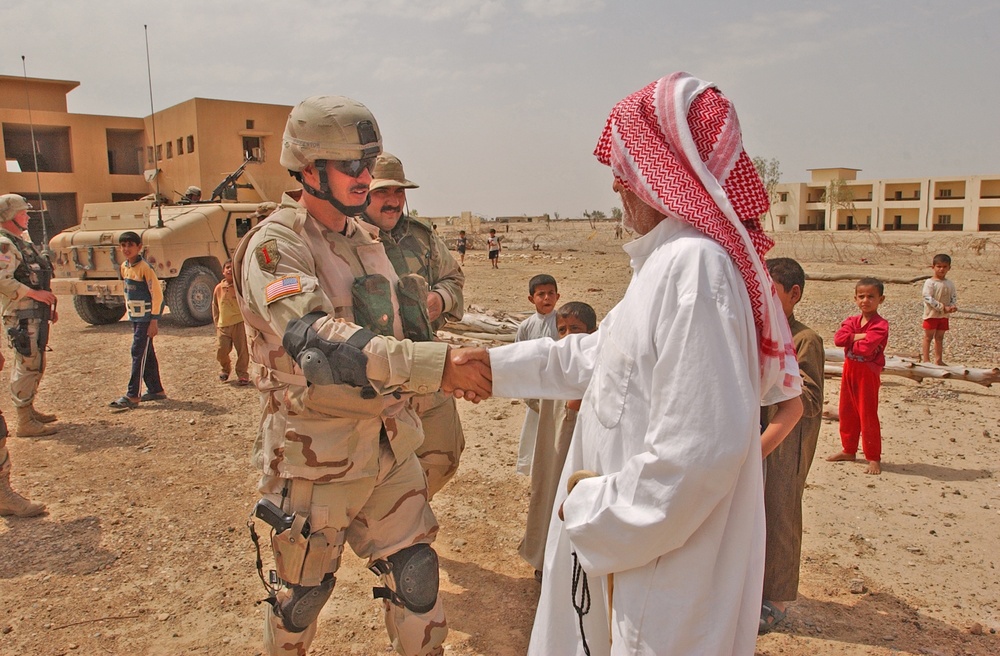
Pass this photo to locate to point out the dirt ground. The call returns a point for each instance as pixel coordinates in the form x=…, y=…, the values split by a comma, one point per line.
x=145, y=548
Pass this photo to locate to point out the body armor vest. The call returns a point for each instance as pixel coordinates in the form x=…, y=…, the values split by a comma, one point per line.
x=35, y=270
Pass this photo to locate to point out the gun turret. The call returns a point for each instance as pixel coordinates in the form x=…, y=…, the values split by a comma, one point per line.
x=230, y=180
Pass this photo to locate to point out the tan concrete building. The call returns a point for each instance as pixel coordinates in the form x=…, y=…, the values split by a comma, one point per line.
x=836, y=200
x=83, y=158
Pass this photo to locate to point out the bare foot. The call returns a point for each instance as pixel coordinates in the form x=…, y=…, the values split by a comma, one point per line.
x=940, y=363
x=874, y=467
x=841, y=457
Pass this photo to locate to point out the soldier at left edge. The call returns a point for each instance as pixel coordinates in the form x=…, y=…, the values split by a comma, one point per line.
x=27, y=306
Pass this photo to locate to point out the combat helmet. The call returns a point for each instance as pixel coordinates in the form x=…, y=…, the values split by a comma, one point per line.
x=322, y=128
x=10, y=205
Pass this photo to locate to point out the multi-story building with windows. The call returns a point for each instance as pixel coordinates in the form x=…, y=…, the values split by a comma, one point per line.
x=76, y=159
x=836, y=200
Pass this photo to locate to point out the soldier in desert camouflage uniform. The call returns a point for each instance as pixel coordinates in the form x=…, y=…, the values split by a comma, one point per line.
x=24, y=278
x=28, y=307
x=337, y=436
x=414, y=248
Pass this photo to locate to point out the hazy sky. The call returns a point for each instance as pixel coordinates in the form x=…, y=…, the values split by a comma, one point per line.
x=495, y=106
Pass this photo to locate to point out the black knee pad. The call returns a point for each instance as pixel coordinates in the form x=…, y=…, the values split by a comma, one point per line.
x=414, y=572
x=301, y=608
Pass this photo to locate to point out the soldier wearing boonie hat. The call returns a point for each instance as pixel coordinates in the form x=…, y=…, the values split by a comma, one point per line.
x=414, y=248
x=337, y=438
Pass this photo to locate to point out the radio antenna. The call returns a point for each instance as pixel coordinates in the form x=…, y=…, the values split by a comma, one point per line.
x=152, y=121
x=34, y=153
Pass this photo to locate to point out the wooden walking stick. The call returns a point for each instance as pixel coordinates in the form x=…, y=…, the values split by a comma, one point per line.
x=579, y=574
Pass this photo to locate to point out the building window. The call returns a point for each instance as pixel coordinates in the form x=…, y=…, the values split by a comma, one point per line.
x=149, y=154
x=899, y=195
x=170, y=150
x=50, y=149
x=783, y=196
x=944, y=219
x=180, y=147
x=124, y=152
x=190, y=143
x=253, y=149
x=159, y=152
x=249, y=124
x=782, y=218
x=944, y=193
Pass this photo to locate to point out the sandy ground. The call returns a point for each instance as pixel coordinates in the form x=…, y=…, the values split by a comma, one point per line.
x=145, y=548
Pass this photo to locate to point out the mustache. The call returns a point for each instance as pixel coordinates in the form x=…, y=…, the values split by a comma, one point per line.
x=391, y=208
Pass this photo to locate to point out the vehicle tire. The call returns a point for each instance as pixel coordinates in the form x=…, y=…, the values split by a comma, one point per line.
x=96, y=313
x=189, y=295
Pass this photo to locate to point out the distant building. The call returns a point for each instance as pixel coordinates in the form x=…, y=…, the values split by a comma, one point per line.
x=85, y=158
x=835, y=200
x=522, y=219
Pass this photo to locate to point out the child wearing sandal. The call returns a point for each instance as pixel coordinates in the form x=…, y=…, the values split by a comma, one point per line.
x=144, y=302
x=229, y=331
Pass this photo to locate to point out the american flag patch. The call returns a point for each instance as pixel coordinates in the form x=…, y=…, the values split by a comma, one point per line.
x=281, y=288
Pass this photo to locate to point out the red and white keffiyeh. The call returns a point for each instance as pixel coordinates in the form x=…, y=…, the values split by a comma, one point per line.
x=677, y=145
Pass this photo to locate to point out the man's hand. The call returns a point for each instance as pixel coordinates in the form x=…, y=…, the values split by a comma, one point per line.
x=154, y=328
x=435, y=305
x=467, y=374
x=41, y=296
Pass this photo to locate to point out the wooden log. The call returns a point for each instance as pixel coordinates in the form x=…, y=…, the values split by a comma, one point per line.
x=907, y=368
x=834, y=277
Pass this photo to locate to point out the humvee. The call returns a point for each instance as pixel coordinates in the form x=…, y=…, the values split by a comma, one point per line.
x=186, y=245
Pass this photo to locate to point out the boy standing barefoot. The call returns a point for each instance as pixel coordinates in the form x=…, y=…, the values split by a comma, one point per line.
x=940, y=300
x=864, y=338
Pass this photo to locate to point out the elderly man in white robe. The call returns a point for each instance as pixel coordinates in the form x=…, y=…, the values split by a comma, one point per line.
x=667, y=525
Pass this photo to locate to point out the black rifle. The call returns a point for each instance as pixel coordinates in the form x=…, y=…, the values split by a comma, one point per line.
x=230, y=180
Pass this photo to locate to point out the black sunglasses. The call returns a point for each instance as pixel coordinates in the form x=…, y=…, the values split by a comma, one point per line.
x=353, y=167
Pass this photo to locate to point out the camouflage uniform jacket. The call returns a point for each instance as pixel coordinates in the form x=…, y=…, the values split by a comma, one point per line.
x=414, y=248
x=13, y=292
x=291, y=265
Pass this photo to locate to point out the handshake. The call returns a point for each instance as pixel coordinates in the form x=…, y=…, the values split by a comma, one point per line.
x=467, y=374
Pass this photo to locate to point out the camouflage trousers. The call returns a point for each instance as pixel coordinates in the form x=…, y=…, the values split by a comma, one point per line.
x=4, y=457
x=28, y=369
x=228, y=338
x=444, y=439
x=377, y=517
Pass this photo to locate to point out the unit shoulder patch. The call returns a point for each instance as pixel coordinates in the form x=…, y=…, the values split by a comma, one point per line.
x=267, y=255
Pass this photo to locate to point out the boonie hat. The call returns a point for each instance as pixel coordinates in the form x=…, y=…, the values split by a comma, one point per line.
x=389, y=173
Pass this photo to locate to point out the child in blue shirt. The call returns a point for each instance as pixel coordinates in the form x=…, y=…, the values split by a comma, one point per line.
x=144, y=302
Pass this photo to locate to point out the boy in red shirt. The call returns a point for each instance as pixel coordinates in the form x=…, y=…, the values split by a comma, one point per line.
x=864, y=338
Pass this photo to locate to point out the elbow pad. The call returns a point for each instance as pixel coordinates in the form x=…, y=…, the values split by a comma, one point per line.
x=324, y=362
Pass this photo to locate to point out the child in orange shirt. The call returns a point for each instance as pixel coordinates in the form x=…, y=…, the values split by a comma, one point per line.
x=229, y=328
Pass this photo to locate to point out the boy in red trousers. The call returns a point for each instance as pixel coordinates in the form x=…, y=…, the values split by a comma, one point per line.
x=864, y=338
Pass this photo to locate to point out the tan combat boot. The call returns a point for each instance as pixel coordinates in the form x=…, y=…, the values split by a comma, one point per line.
x=12, y=503
x=28, y=426
x=40, y=416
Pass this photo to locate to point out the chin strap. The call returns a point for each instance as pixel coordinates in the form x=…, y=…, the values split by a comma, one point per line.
x=324, y=193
